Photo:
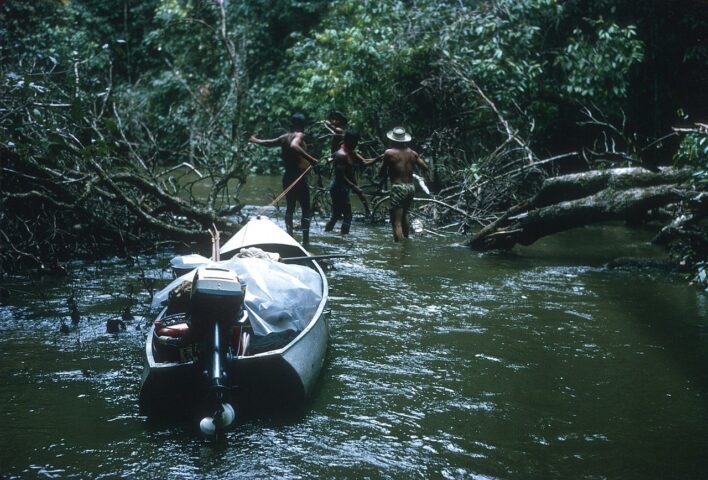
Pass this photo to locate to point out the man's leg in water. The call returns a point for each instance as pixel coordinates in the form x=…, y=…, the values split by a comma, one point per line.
x=336, y=211
x=289, y=210
x=396, y=223
x=304, y=199
x=347, y=222
x=405, y=224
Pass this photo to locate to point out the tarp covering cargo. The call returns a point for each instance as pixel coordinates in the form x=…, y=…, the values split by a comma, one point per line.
x=279, y=296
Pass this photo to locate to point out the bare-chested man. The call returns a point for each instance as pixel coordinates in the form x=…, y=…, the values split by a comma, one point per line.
x=296, y=161
x=336, y=123
x=400, y=162
x=345, y=160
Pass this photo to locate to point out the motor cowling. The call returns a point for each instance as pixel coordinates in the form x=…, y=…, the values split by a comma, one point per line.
x=217, y=296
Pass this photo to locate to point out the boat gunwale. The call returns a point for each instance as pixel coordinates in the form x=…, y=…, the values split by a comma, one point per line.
x=316, y=317
x=280, y=352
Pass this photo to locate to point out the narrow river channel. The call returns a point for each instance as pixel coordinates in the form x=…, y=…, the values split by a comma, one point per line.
x=443, y=363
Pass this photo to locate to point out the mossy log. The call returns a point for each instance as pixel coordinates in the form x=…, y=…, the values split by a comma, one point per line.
x=579, y=185
x=575, y=200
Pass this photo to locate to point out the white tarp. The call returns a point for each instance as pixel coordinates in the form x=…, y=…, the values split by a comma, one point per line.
x=190, y=262
x=279, y=296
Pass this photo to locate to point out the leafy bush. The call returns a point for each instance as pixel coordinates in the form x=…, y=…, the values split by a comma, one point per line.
x=693, y=152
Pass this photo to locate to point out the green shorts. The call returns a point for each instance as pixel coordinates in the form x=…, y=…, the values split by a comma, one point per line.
x=402, y=195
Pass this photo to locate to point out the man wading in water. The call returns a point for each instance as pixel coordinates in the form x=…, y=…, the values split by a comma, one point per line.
x=345, y=159
x=296, y=161
x=400, y=161
x=335, y=123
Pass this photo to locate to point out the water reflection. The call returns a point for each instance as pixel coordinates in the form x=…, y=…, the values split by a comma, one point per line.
x=443, y=363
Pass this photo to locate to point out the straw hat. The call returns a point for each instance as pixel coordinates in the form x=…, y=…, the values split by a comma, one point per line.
x=399, y=134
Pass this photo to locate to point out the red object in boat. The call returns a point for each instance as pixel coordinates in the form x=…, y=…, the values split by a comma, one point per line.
x=177, y=330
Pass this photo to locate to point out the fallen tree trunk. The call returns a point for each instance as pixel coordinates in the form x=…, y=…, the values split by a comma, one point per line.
x=579, y=185
x=575, y=200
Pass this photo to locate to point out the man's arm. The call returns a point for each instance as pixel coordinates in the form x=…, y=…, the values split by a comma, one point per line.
x=333, y=128
x=352, y=184
x=368, y=161
x=340, y=170
x=364, y=201
x=296, y=145
x=271, y=142
x=421, y=164
x=383, y=171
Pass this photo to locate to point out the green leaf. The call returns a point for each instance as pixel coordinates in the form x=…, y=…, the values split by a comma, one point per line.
x=76, y=110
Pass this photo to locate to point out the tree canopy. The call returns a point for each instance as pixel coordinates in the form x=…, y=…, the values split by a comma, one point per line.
x=106, y=103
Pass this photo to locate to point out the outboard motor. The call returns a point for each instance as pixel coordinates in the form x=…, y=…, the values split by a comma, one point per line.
x=215, y=304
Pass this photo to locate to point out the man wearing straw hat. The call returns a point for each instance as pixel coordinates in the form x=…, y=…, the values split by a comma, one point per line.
x=297, y=163
x=400, y=162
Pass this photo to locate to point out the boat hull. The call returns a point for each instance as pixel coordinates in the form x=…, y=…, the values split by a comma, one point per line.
x=291, y=374
x=281, y=377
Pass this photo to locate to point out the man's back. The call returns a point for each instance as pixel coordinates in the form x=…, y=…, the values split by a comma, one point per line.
x=292, y=159
x=401, y=163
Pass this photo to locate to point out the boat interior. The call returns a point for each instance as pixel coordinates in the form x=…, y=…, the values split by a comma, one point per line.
x=215, y=295
x=185, y=324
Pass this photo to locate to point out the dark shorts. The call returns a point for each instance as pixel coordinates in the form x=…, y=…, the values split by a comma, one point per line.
x=340, y=194
x=402, y=195
x=300, y=192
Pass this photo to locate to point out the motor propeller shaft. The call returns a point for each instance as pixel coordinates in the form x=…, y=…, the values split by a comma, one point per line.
x=221, y=420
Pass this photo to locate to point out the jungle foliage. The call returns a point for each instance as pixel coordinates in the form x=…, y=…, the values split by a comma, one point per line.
x=106, y=104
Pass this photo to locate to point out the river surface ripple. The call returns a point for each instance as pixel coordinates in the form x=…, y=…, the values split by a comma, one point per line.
x=443, y=363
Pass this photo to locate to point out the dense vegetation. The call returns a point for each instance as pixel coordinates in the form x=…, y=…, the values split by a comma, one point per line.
x=105, y=104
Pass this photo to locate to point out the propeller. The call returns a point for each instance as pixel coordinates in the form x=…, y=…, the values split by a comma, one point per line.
x=221, y=420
